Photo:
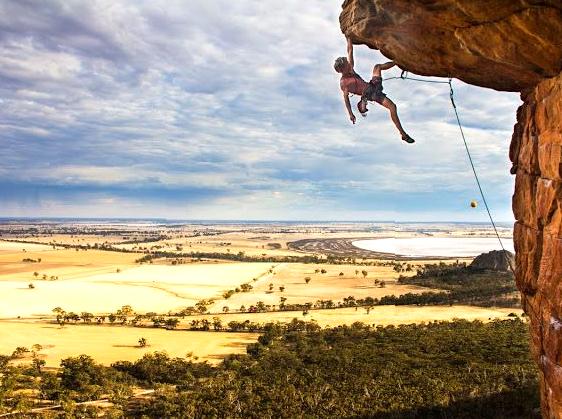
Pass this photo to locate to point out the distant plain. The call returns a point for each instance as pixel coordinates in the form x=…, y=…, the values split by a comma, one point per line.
x=71, y=271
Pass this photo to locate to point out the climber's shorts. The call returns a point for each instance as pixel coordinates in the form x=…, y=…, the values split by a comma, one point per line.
x=373, y=91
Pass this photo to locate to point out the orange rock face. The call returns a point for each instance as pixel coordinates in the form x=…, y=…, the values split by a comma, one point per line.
x=536, y=152
x=503, y=44
x=511, y=45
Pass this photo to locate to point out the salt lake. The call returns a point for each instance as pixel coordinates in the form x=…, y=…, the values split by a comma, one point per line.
x=435, y=246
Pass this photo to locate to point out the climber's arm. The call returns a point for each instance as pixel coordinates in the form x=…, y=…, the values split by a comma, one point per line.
x=348, y=106
x=350, y=52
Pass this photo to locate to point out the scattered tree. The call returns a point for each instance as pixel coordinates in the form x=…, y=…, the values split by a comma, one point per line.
x=217, y=324
x=246, y=287
x=38, y=364
x=87, y=317
x=20, y=352
x=171, y=323
x=60, y=313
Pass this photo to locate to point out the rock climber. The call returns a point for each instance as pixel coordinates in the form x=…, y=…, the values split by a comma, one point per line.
x=351, y=82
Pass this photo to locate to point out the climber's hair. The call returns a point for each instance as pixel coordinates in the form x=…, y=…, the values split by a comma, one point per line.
x=339, y=64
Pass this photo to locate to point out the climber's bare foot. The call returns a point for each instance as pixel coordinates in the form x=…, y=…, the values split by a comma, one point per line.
x=408, y=139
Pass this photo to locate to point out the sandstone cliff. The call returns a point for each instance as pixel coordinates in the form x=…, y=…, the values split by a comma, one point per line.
x=510, y=45
x=503, y=44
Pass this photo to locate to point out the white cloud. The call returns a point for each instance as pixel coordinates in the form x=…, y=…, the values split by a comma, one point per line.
x=238, y=96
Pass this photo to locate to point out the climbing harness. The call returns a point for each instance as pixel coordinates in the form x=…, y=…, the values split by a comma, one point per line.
x=404, y=76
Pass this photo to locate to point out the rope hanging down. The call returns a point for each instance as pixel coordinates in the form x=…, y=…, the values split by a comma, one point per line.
x=404, y=76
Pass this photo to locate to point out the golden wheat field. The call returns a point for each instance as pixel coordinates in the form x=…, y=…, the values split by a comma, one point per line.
x=102, y=281
x=35, y=278
x=109, y=344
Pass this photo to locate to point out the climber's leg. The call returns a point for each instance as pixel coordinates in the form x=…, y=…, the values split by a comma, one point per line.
x=379, y=67
x=389, y=104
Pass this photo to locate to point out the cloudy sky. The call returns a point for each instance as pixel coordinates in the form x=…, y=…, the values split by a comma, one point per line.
x=223, y=109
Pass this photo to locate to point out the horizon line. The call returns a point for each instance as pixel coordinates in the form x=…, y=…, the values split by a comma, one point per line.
x=218, y=220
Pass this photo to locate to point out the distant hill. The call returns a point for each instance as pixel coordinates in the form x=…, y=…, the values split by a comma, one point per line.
x=496, y=260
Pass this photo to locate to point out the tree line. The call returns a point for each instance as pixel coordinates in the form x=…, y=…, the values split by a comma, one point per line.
x=435, y=370
x=461, y=284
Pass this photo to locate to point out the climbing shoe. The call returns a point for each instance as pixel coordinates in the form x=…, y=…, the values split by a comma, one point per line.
x=408, y=139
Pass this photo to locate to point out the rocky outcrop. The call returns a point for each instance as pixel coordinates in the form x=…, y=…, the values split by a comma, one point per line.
x=503, y=44
x=511, y=45
x=496, y=260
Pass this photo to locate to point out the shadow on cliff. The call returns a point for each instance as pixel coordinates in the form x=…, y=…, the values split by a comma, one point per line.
x=520, y=403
